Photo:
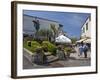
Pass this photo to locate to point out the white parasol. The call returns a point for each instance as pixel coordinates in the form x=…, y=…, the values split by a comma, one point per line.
x=62, y=39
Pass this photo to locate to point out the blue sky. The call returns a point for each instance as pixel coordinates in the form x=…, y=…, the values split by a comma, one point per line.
x=72, y=22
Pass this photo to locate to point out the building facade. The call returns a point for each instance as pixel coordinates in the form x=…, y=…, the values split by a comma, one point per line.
x=86, y=32
x=86, y=29
x=32, y=24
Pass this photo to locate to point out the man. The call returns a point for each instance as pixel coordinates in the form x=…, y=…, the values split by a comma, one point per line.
x=85, y=49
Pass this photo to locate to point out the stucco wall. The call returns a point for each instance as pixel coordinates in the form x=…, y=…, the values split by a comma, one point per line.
x=87, y=33
x=28, y=25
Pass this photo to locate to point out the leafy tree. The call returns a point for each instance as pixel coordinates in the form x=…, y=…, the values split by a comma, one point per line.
x=46, y=33
x=54, y=30
x=74, y=39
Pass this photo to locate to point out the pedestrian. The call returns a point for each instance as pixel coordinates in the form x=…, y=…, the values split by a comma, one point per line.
x=80, y=50
x=85, y=49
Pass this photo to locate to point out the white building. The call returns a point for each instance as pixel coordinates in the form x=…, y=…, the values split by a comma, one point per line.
x=29, y=23
x=86, y=31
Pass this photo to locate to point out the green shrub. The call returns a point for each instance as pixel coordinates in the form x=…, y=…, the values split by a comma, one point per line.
x=29, y=43
x=46, y=45
x=32, y=45
x=25, y=45
x=35, y=43
x=45, y=48
x=68, y=49
x=51, y=47
x=34, y=48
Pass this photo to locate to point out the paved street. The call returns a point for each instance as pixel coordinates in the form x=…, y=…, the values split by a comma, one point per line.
x=76, y=55
x=73, y=61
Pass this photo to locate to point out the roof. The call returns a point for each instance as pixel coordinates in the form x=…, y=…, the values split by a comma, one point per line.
x=87, y=41
x=41, y=18
x=81, y=40
x=85, y=21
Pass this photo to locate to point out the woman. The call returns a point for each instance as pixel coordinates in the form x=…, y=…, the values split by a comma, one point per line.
x=80, y=49
x=85, y=49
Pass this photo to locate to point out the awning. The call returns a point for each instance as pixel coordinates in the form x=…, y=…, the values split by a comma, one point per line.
x=81, y=40
x=87, y=41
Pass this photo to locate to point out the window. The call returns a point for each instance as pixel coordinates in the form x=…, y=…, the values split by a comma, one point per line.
x=86, y=26
x=83, y=30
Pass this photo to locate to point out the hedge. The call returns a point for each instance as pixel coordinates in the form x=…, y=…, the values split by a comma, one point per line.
x=31, y=45
x=51, y=47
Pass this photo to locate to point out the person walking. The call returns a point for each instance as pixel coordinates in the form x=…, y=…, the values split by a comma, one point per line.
x=85, y=49
x=80, y=50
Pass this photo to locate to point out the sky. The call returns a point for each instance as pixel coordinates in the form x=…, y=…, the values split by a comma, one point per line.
x=72, y=22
